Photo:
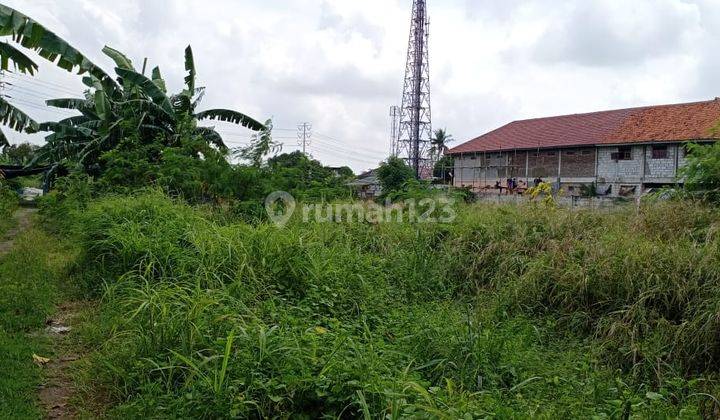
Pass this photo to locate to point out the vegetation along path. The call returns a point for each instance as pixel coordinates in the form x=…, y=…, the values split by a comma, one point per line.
x=23, y=220
x=36, y=317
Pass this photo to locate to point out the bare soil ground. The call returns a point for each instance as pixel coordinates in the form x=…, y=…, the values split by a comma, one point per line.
x=24, y=218
x=58, y=388
x=55, y=393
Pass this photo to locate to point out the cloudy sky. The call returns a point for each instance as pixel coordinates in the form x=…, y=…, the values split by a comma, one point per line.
x=339, y=63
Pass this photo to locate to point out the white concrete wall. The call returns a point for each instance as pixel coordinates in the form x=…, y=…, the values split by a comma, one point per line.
x=611, y=171
x=661, y=169
x=465, y=168
x=470, y=170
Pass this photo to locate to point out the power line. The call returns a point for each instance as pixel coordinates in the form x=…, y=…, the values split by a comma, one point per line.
x=14, y=88
x=348, y=154
x=352, y=152
x=44, y=95
x=37, y=81
x=26, y=103
x=364, y=148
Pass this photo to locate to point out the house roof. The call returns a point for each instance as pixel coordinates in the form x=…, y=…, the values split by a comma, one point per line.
x=365, y=178
x=678, y=122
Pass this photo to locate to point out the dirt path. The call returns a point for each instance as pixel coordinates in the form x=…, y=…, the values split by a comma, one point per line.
x=58, y=388
x=24, y=220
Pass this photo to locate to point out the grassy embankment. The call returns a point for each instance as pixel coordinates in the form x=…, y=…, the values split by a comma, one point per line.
x=507, y=312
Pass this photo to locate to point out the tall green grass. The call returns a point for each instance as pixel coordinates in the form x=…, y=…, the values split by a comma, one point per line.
x=508, y=311
x=8, y=204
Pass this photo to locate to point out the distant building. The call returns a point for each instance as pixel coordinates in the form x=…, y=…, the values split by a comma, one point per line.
x=366, y=185
x=623, y=152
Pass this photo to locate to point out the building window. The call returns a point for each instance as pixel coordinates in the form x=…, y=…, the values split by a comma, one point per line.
x=623, y=153
x=570, y=153
x=586, y=152
x=550, y=153
x=660, y=152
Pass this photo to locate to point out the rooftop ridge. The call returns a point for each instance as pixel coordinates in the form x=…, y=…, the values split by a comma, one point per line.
x=634, y=108
x=685, y=121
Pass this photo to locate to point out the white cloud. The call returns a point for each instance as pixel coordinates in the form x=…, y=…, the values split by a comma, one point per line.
x=340, y=63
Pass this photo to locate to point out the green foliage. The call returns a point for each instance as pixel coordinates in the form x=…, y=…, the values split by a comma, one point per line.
x=231, y=117
x=30, y=34
x=701, y=172
x=8, y=204
x=139, y=111
x=29, y=283
x=260, y=146
x=404, y=320
x=394, y=174
x=20, y=61
x=444, y=168
x=138, y=108
x=307, y=179
x=439, y=142
x=15, y=118
x=588, y=190
x=18, y=154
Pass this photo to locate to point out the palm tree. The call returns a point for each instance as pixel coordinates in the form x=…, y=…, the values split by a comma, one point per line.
x=439, y=142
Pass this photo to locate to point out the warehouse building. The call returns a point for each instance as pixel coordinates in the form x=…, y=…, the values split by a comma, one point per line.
x=623, y=152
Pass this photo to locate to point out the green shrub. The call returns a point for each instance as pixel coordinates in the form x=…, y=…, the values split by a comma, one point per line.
x=394, y=174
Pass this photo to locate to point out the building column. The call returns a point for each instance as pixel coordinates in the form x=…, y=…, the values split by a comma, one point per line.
x=527, y=168
x=559, y=173
x=462, y=169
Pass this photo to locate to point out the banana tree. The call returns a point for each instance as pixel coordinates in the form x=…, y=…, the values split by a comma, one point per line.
x=111, y=110
x=10, y=115
x=140, y=105
x=31, y=35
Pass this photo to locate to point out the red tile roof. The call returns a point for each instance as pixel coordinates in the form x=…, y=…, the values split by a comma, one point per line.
x=680, y=122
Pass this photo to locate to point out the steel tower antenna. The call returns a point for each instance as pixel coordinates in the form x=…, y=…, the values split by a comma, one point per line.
x=394, y=129
x=415, y=120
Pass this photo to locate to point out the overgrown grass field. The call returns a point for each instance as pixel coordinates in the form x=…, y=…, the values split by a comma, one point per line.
x=506, y=312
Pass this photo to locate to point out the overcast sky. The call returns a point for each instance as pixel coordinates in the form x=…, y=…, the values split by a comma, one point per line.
x=339, y=63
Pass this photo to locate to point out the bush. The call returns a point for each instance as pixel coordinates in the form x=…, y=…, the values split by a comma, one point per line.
x=701, y=172
x=394, y=175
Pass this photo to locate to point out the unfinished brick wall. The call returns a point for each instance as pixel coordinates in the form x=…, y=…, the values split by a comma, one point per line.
x=517, y=162
x=543, y=164
x=578, y=163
